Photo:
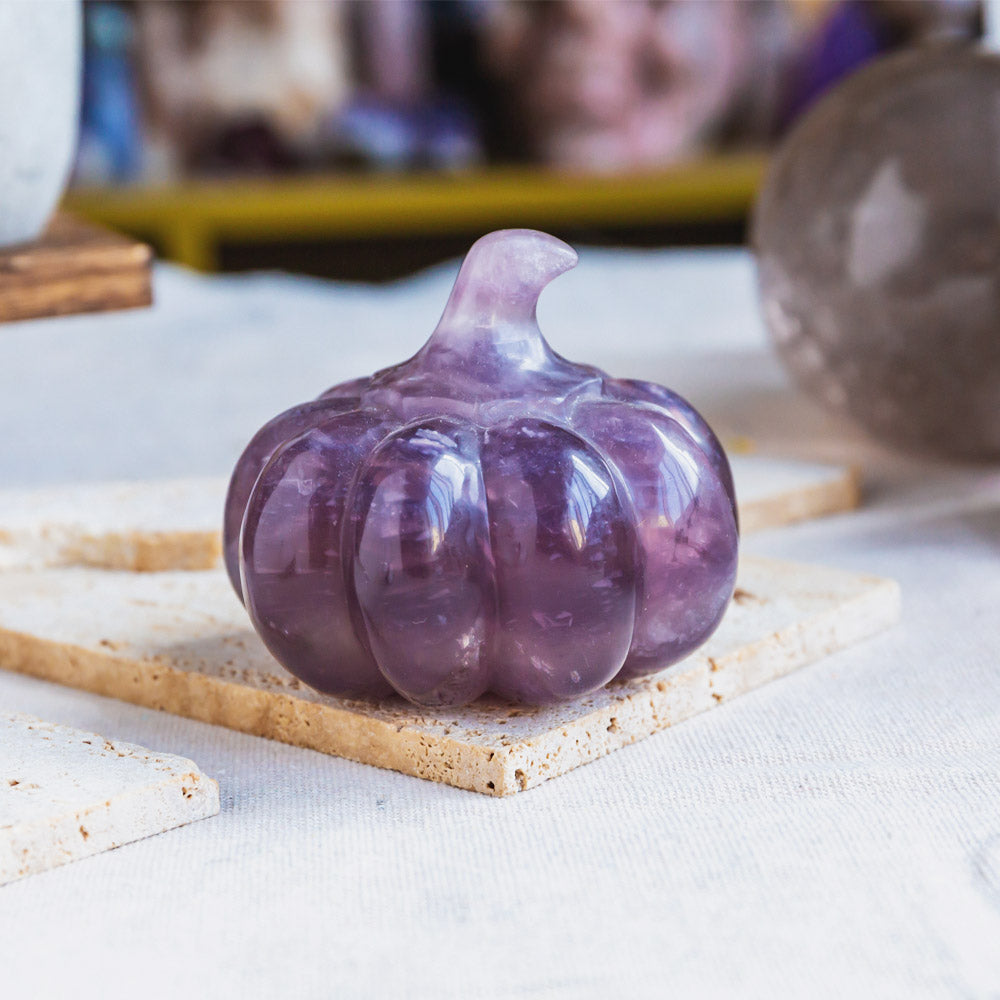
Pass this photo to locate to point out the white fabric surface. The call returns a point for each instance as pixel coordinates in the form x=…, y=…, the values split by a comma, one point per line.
x=834, y=834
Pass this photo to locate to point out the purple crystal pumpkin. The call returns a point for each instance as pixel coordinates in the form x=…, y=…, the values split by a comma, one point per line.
x=486, y=516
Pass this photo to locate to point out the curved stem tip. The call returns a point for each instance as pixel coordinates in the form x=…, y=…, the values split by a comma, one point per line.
x=498, y=286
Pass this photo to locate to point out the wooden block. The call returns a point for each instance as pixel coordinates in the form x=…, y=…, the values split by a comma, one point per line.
x=174, y=524
x=67, y=794
x=181, y=642
x=73, y=268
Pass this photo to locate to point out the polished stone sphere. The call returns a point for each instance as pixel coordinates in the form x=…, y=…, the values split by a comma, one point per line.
x=877, y=236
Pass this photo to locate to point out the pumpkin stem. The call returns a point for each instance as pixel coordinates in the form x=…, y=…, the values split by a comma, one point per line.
x=495, y=295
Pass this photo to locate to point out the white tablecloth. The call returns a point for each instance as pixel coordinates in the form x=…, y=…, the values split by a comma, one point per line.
x=834, y=834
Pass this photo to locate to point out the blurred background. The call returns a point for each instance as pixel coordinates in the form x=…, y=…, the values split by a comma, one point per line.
x=365, y=139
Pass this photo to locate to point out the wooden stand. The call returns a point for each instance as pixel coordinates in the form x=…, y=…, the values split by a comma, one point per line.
x=74, y=268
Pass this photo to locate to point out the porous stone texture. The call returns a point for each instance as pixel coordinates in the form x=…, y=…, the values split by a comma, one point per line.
x=181, y=642
x=144, y=526
x=40, y=53
x=170, y=524
x=67, y=794
x=772, y=492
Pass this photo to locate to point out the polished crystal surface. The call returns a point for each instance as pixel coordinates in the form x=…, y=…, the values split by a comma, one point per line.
x=877, y=236
x=486, y=516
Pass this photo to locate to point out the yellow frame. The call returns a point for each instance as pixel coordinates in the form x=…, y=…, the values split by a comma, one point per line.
x=190, y=220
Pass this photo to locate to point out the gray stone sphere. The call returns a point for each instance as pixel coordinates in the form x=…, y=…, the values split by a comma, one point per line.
x=877, y=238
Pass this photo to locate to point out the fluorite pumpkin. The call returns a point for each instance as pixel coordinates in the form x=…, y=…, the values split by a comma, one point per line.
x=486, y=516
